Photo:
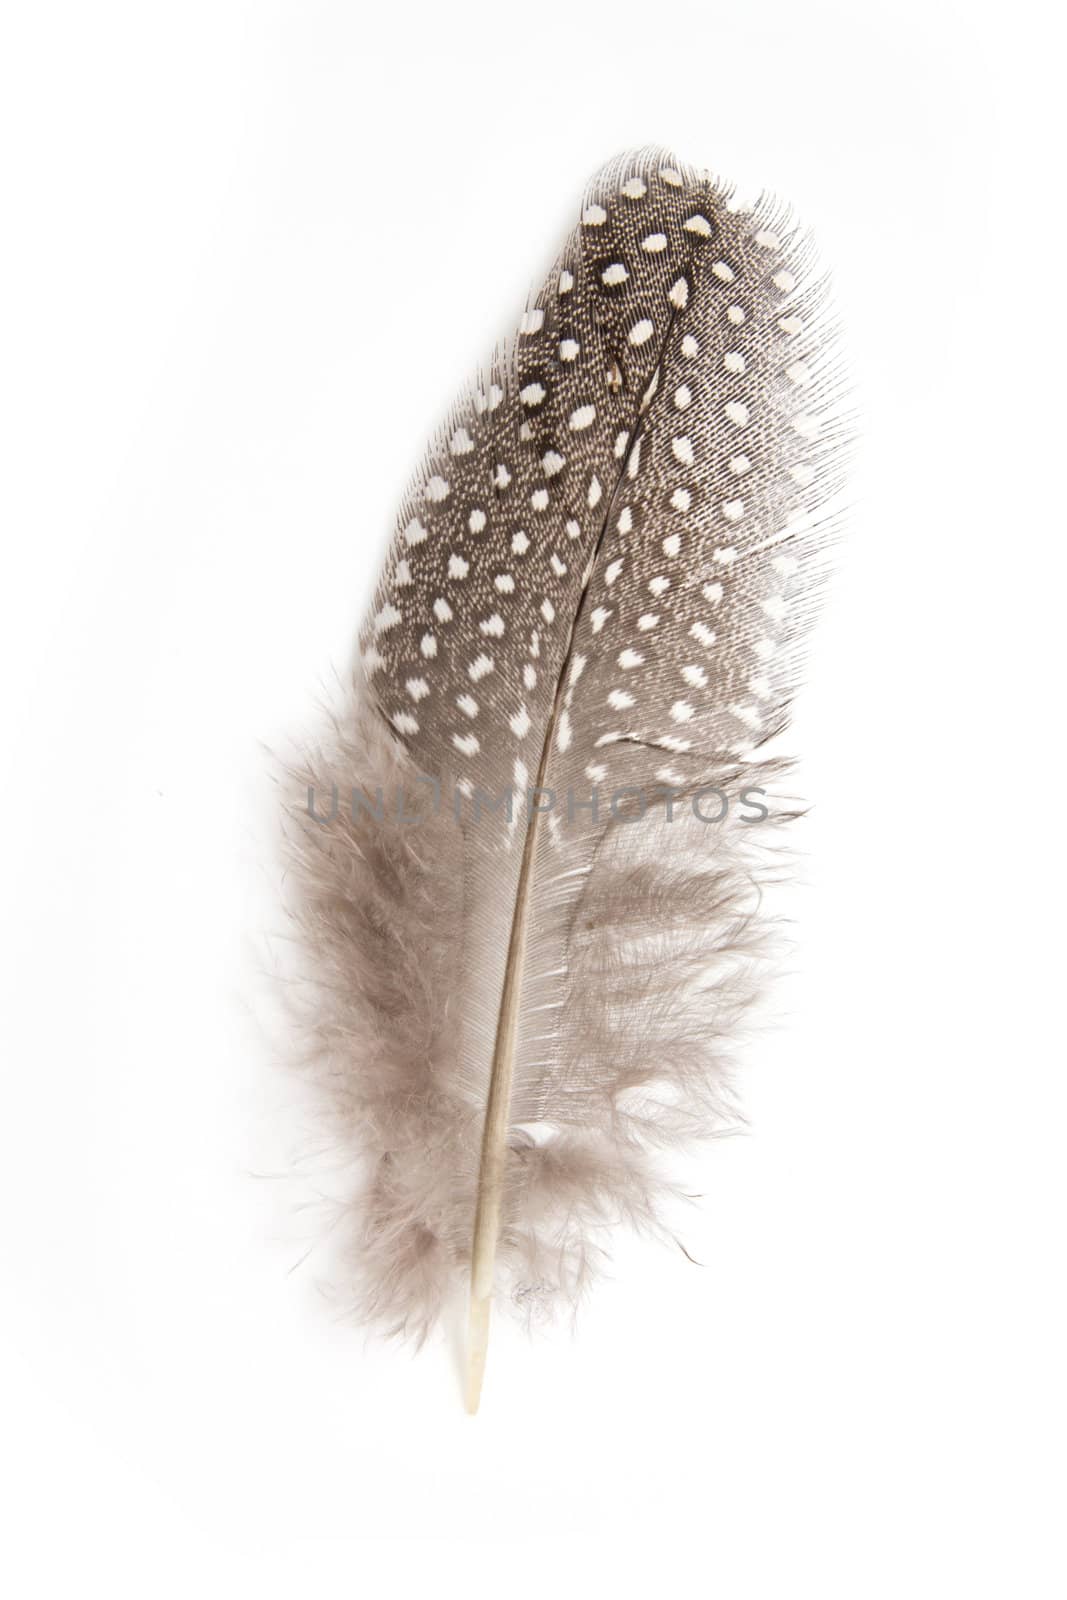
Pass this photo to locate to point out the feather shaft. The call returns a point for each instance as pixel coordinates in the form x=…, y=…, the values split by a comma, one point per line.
x=491, y=1174
x=489, y=1204
x=492, y=1169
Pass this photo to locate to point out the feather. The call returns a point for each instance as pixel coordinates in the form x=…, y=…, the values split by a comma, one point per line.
x=528, y=873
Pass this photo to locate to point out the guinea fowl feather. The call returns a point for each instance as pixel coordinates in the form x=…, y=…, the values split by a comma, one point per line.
x=532, y=932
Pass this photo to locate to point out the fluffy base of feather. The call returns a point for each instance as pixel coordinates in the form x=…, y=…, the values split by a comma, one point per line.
x=665, y=960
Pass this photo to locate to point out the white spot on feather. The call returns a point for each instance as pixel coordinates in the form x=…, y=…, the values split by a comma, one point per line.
x=748, y=715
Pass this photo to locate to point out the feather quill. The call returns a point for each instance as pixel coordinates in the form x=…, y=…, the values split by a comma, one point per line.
x=529, y=869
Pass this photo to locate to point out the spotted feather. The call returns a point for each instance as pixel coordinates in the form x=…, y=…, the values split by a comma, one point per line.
x=534, y=945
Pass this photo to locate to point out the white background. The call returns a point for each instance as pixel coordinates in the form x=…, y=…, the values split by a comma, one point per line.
x=250, y=252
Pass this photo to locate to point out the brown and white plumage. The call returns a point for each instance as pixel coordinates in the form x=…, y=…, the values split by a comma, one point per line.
x=598, y=587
